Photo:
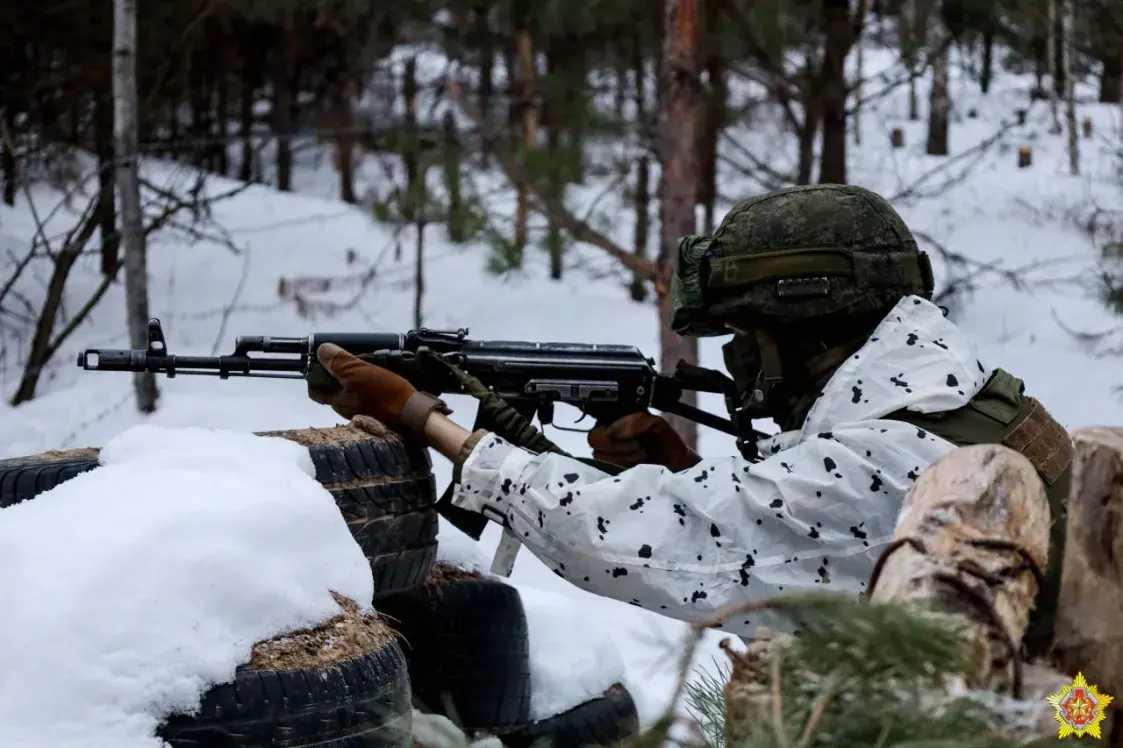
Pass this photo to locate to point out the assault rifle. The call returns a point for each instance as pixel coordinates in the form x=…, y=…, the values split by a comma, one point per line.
x=604, y=382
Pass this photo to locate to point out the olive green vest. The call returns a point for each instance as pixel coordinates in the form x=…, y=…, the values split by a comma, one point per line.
x=1001, y=413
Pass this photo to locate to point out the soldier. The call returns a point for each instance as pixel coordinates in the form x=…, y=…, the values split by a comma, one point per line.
x=834, y=336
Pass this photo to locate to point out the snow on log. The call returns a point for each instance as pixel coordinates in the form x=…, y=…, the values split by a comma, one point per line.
x=972, y=538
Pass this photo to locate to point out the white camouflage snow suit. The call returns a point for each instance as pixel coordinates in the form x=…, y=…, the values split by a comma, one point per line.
x=817, y=511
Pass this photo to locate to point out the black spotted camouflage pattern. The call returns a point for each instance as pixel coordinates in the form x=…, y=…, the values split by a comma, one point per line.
x=816, y=512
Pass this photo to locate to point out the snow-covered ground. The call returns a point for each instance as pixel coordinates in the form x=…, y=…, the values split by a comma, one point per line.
x=1023, y=225
x=131, y=589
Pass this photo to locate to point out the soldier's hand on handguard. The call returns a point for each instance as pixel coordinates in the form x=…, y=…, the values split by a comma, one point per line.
x=641, y=439
x=370, y=390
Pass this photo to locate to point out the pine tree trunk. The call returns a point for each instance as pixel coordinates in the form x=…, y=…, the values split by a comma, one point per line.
x=451, y=155
x=1111, y=79
x=9, y=168
x=419, y=276
x=713, y=118
x=222, y=112
x=1107, y=46
x=245, y=126
x=1051, y=61
x=987, y=72
x=1067, y=12
x=909, y=43
x=344, y=118
x=678, y=153
x=487, y=62
x=528, y=119
x=197, y=129
x=806, y=136
x=552, y=119
x=107, y=183
x=620, y=59
x=860, y=71
x=128, y=183
x=832, y=93
x=283, y=82
x=939, y=106
x=576, y=64
x=638, y=286
x=411, y=156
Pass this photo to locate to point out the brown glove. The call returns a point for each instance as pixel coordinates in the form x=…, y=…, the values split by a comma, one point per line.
x=373, y=391
x=641, y=439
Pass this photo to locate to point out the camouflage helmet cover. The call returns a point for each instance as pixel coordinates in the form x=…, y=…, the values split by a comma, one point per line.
x=795, y=254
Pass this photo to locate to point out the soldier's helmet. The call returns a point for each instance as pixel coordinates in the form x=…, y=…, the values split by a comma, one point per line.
x=797, y=254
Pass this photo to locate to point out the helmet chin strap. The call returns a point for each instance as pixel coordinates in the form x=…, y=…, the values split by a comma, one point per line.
x=771, y=370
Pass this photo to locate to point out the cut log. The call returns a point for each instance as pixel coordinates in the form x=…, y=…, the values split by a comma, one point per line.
x=972, y=539
x=1088, y=635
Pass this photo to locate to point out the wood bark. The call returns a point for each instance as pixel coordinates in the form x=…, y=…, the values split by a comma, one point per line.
x=345, y=136
x=529, y=122
x=245, y=127
x=908, y=42
x=107, y=184
x=128, y=185
x=555, y=182
x=939, y=101
x=839, y=33
x=1051, y=61
x=713, y=117
x=973, y=529
x=1088, y=637
x=9, y=169
x=986, y=72
x=411, y=151
x=642, y=192
x=679, y=110
x=1067, y=11
x=283, y=82
x=859, y=71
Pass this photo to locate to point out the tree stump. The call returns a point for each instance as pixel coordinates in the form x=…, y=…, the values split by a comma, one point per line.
x=1025, y=157
x=972, y=539
x=897, y=138
x=1088, y=634
x=1086, y=126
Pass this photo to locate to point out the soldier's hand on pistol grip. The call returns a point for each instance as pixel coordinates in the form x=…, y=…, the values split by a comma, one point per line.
x=641, y=439
x=370, y=390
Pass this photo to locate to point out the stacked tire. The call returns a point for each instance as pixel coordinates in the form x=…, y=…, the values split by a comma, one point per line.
x=386, y=492
x=464, y=650
x=467, y=642
x=384, y=488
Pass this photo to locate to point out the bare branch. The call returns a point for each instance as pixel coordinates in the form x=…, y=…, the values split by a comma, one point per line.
x=553, y=207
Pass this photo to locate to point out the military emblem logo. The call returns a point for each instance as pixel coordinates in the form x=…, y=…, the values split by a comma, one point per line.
x=1080, y=708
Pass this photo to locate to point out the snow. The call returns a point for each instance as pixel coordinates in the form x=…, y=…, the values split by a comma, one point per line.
x=1031, y=262
x=132, y=588
x=571, y=661
x=456, y=548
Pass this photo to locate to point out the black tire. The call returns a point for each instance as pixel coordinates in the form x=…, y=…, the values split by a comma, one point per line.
x=603, y=721
x=384, y=488
x=465, y=638
x=363, y=702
